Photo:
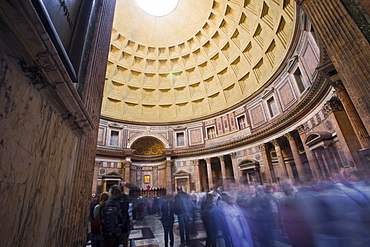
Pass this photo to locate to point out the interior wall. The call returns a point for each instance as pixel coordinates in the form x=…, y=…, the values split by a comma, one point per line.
x=34, y=164
x=48, y=130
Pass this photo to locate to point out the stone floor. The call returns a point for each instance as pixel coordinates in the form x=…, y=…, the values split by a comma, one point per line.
x=149, y=233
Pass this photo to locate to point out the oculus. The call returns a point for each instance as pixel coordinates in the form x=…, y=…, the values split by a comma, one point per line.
x=157, y=7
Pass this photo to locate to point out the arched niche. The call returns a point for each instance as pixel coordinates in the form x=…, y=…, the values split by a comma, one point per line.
x=133, y=139
x=148, y=145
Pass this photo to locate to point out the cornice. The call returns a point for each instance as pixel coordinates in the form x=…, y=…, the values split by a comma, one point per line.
x=318, y=89
x=110, y=152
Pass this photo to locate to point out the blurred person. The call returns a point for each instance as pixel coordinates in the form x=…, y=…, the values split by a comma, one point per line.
x=263, y=221
x=117, y=216
x=183, y=209
x=167, y=218
x=231, y=221
x=273, y=207
x=194, y=201
x=205, y=210
x=294, y=222
x=97, y=238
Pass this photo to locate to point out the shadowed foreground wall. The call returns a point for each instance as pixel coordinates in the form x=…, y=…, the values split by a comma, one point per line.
x=48, y=128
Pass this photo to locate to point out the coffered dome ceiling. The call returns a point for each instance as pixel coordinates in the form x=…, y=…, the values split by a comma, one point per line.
x=201, y=58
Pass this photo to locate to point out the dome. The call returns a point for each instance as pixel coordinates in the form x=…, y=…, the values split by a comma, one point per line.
x=195, y=61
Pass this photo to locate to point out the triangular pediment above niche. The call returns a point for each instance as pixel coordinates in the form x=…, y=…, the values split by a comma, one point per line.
x=181, y=173
x=112, y=174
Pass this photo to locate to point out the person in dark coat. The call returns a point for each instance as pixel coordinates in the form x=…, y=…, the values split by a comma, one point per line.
x=167, y=218
x=183, y=210
x=205, y=210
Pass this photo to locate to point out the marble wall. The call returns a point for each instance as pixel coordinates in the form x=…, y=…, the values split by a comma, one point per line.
x=48, y=128
x=37, y=153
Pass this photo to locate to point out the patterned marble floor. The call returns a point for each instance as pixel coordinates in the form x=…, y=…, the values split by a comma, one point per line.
x=149, y=233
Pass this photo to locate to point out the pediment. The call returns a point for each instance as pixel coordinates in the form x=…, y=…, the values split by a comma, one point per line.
x=181, y=173
x=317, y=137
x=112, y=175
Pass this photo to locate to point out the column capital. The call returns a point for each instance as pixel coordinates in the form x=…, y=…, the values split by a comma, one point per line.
x=168, y=163
x=275, y=142
x=221, y=157
x=262, y=147
x=333, y=105
x=337, y=85
x=233, y=155
x=126, y=164
x=301, y=129
x=195, y=162
x=208, y=160
x=289, y=136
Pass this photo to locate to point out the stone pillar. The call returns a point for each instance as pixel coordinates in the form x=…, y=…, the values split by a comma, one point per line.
x=266, y=163
x=196, y=175
x=330, y=159
x=127, y=168
x=139, y=177
x=235, y=167
x=169, y=188
x=310, y=157
x=296, y=157
x=95, y=178
x=155, y=177
x=347, y=48
x=345, y=133
x=209, y=174
x=324, y=169
x=352, y=114
x=282, y=171
x=223, y=170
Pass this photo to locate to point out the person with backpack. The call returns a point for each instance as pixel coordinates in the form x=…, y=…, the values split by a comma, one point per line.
x=97, y=239
x=116, y=217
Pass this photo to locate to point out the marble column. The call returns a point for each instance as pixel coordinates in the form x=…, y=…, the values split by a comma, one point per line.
x=223, y=170
x=266, y=163
x=209, y=173
x=235, y=167
x=127, y=168
x=155, y=177
x=139, y=177
x=282, y=171
x=95, y=178
x=352, y=114
x=324, y=169
x=346, y=46
x=169, y=188
x=196, y=175
x=329, y=160
x=310, y=157
x=296, y=157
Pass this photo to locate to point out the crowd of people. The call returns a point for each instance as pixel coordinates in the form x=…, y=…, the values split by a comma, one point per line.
x=332, y=212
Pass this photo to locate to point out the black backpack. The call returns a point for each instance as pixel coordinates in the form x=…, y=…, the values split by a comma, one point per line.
x=113, y=217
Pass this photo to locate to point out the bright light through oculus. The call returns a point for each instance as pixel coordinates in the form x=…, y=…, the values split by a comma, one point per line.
x=158, y=7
